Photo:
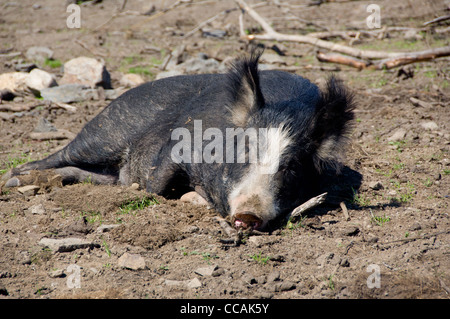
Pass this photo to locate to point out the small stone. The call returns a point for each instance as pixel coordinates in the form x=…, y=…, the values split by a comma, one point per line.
x=429, y=125
x=287, y=285
x=194, y=283
x=28, y=190
x=39, y=54
x=106, y=228
x=376, y=185
x=131, y=80
x=44, y=126
x=58, y=273
x=68, y=93
x=415, y=226
x=398, y=135
x=206, y=271
x=13, y=182
x=350, y=231
x=132, y=261
x=37, y=209
x=134, y=186
x=194, y=198
x=38, y=80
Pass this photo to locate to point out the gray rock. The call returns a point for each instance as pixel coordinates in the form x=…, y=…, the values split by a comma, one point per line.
x=431, y=126
x=132, y=261
x=68, y=93
x=398, y=135
x=206, y=271
x=44, y=126
x=194, y=283
x=66, y=244
x=131, y=80
x=39, y=54
x=86, y=71
x=13, y=182
x=58, y=273
x=37, y=209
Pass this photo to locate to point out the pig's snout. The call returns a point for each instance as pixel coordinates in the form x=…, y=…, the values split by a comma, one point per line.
x=247, y=220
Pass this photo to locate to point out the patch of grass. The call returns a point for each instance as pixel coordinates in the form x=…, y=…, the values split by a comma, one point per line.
x=105, y=245
x=379, y=220
x=53, y=63
x=446, y=171
x=15, y=161
x=260, y=259
x=92, y=216
x=428, y=183
x=360, y=199
x=399, y=145
x=137, y=204
x=141, y=70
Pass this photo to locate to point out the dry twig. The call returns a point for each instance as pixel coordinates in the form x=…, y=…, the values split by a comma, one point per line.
x=313, y=202
x=386, y=60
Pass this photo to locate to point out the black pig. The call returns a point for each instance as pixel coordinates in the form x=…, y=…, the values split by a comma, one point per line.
x=202, y=132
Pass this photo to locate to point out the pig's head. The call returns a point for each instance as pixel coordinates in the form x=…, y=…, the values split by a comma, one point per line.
x=298, y=138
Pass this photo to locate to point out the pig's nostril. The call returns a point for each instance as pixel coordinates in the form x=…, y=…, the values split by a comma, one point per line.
x=247, y=220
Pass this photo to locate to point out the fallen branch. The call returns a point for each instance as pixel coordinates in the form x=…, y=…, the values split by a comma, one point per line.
x=313, y=202
x=412, y=57
x=439, y=19
x=388, y=60
x=271, y=34
x=405, y=58
x=342, y=59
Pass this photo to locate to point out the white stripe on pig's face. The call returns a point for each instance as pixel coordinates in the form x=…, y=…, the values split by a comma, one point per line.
x=252, y=199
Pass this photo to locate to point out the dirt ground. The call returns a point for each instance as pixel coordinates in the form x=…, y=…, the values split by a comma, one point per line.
x=396, y=189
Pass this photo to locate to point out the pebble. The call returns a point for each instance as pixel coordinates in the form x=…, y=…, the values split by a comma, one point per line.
x=206, y=271
x=86, y=71
x=58, y=273
x=68, y=93
x=37, y=209
x=66, y=244
x=194, y=198
x=132, y=261
x=106, y=228
x=44, y=125
x=429, y=125
x=131, y=80
x=376, y=185
x=13, y=182
x=28, y=190
x=39, y=54
x=38, y=80
x=398, y=135
x=194, y=283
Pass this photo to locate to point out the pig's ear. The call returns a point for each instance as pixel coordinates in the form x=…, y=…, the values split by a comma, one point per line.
x=245, y=96
x=331, y=124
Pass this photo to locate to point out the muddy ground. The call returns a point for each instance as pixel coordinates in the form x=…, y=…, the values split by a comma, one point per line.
x=396, y=188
